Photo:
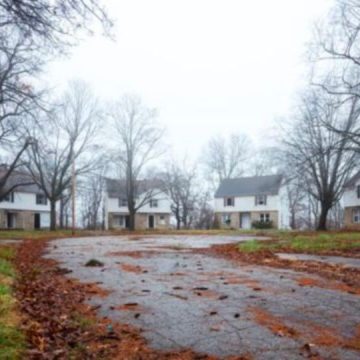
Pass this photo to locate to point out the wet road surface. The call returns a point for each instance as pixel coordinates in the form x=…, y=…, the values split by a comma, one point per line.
x=183, y=299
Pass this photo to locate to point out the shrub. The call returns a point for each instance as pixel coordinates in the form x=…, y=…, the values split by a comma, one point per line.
x=262, y=224
x=94, y=262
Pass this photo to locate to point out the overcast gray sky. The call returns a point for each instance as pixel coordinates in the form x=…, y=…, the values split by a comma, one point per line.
x=209, y=66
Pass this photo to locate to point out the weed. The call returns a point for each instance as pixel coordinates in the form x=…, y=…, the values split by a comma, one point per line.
x=94, y=262
x=7, y=253
x=6, y=268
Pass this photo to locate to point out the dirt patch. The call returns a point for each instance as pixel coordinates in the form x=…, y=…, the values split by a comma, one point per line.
x=136, y=269
x=309, y=332
x=273, y=323
x=133, y=254
x=94, y=289
x=349, y=276
x=131, y=307
x=330, y=285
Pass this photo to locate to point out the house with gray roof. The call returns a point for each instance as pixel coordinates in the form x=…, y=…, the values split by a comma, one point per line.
x=25, y=205
x=242, y=201
x=351, y=202
x=154, y=211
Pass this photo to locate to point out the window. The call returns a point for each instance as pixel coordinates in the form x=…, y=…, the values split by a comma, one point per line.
x=8, y=197
x=229, y=201
x=265, y=218
x=260, y=200
x=358, y=191
x=356, y=215
x=123, y=202
x=226, y=219
x=153, y=203
x=41, y=199
x=162, y=217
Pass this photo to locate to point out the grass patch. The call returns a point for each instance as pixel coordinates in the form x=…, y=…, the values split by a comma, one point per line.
x=256, y=245
x=6, y=268
x=7, y=253
x=12, y=340
x=4, y=289
x=82, y=321
x=307, y=243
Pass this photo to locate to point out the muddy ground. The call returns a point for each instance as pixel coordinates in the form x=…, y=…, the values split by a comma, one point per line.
x=182, y=299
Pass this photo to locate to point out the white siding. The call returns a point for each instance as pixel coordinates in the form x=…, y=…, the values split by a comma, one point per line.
x=112, y=205
x=247, y=204
x=284, y=211
x=350, y=196
x=24, y=201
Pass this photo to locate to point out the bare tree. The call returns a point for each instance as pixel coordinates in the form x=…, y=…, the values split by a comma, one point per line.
x=336, y=50
x=316, y=154
x=66, y=137
x=51, y=22
x=138, y=137
x=180, y=182
x=265, y=161
x=296, y=196
x=225, y=158
x=204, y=213
x=64, y=209
x=92, y=196
x=27, y=30
x=18, y=100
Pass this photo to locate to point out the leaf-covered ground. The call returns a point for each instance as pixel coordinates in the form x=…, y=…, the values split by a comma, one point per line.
x=58, y=324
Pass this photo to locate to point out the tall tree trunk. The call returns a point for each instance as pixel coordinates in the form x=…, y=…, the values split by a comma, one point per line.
x=131, y=220
x=323, y=217
x=178, y=219
x=61, y=215
x=292, y=220
x=52, y=215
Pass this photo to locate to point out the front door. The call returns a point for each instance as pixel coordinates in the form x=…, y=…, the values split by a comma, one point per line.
x=151, y=221
x=37, y=221
x=127, y=221
x=245, y=222
x=11, y=220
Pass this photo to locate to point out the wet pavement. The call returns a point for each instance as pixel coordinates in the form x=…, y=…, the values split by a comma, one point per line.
x=333, y=260
x=183, y=299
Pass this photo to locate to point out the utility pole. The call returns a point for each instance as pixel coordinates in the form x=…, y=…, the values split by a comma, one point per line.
x=73, y=194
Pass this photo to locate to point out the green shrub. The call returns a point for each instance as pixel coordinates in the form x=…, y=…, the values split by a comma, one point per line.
x=94, y=262
x=262, y=224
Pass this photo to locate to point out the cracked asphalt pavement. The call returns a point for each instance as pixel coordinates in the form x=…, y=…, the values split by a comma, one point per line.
x=182, y=299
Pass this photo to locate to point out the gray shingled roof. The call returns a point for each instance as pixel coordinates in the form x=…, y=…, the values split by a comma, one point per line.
x=250, y=186
x=22, y=181
x=117, y=188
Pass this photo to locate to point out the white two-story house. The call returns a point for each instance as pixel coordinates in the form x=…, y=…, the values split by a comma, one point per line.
x=26, y=207
x=240, y=202
x=154, y=213
x=351, y=202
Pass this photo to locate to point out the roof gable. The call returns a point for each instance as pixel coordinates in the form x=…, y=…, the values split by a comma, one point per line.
x=250, y=186
x=117, y=188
